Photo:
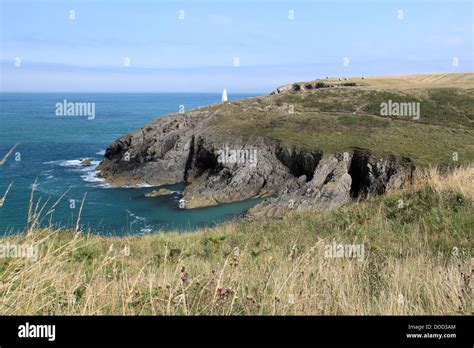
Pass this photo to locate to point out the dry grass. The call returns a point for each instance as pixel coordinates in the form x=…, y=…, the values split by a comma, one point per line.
x=457, y=180
x=340, y=119
x=459, y=80
x=417, y=261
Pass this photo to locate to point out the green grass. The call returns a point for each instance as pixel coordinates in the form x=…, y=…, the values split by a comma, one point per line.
x=341, y=119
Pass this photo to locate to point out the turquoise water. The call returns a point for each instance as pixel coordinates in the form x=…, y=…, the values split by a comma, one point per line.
x=51, y=148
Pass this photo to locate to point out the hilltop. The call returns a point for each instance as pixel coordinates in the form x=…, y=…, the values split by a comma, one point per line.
x=319, y=143
x=347, y=116
x=399, y=82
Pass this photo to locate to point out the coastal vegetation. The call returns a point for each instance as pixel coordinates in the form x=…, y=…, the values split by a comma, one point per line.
x=417, y=247
x=364, y=214
x=345, y=117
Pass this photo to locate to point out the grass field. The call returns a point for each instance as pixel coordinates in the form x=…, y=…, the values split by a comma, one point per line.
x=344, y=118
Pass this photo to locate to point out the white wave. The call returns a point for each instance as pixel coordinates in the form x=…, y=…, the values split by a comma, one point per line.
x=101, y=153
x=74, y=163
x=71, y=163
x=142, y=185
x=146, y=229
x=91, y=168
x=92, y=176
x=65, y=163
x=135, y=216
x=47, y=174
x=47, y=191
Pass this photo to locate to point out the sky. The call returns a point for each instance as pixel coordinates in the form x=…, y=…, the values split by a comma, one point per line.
x=244, y=46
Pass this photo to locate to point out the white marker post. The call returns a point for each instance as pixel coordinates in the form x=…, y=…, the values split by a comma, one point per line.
x=224, y=95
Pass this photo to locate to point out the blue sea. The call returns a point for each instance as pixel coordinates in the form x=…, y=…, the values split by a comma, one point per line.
x=50, y=150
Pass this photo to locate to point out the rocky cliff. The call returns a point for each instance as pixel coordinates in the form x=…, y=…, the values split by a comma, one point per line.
x=221, y=167
x=307, y=146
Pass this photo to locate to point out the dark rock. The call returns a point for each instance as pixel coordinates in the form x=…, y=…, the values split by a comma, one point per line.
x=160, y=192
x=86, y=162
x=219, y=167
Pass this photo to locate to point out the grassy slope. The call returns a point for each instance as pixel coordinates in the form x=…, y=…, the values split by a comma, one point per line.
x=339, y=119
x=279, y=268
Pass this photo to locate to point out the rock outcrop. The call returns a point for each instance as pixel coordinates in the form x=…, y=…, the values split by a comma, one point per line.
x=220, y=167
x=304, y=86
x=86, y=162
x=338, y=179
x=160, y=192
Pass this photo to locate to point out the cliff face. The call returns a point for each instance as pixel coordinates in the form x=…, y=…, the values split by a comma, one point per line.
x=307, y=146
x=187, y=148
x=338, y=179
x=220, y=167
x=156, y=154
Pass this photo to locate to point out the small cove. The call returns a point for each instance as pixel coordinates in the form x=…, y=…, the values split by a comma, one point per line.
x=51, y=149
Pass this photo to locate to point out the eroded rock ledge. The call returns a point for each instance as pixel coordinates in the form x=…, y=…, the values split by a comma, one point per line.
x=186, y=148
